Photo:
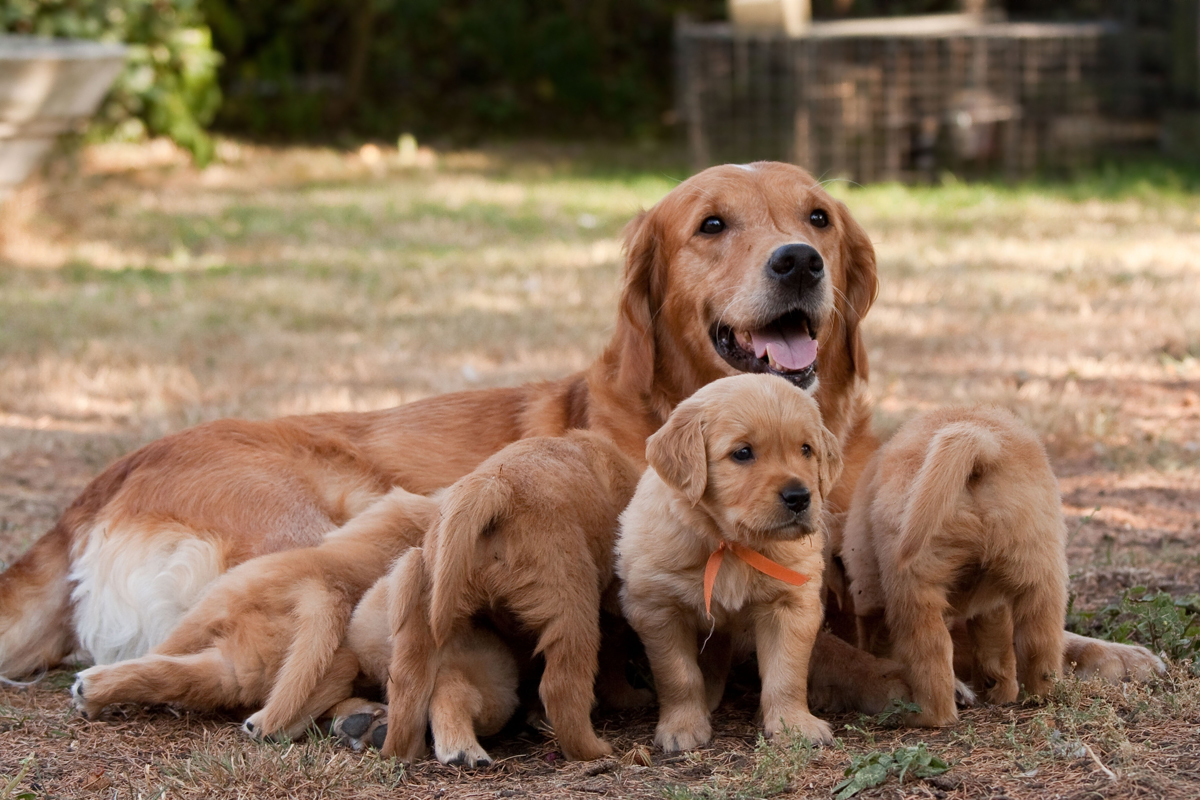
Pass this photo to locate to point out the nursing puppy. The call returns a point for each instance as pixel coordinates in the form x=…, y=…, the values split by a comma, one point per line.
x=958, y=518
x=744, y=464
x=269, y=630
x=530, y=532
x=474, y=674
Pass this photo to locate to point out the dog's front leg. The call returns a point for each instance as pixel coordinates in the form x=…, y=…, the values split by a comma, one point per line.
x=785, y=631
x=669, y=636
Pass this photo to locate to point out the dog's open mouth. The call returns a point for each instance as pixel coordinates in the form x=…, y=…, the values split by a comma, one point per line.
x=787, y=346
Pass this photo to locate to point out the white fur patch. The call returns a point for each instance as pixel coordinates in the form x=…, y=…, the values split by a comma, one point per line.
x=132, y=586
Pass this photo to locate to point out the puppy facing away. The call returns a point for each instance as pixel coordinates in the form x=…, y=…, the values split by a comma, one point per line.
x=474, y=674
x=270, y=630
x=530, y=533
x=958, y=520
x=742, y=465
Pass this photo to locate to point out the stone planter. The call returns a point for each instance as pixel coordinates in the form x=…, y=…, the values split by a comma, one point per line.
x=47, y=87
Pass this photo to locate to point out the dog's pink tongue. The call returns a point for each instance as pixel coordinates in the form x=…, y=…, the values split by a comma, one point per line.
x=793, y=351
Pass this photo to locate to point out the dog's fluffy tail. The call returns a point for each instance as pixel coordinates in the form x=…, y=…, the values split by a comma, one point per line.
x=472, y=507
x=36, y=629
x=955, y=453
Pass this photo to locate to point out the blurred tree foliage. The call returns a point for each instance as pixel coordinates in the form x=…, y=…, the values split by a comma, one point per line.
x=458, y=68
x=169, y=84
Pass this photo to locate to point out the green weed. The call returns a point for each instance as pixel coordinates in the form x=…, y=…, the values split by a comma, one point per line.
x=872, y=769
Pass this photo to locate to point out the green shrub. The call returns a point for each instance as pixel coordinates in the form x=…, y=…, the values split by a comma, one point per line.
x=1165, y=624
x=169, y=84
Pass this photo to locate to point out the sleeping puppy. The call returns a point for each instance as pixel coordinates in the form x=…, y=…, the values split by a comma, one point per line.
x=475, y=673
x=737, y=477
x=958, y=519
x=270, y=630
x=530, y=531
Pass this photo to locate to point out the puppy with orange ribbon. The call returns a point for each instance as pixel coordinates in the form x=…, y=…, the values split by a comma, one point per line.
x=721, y=551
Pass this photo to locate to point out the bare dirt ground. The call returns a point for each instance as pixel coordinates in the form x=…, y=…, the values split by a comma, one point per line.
x=139, y=296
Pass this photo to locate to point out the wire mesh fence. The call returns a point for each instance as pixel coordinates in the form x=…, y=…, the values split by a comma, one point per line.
x=908, y=98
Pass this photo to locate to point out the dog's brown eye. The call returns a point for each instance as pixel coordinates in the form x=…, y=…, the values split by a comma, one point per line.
x=806, y=451
x=712, y=225
x=819, y=218
x=742, y=455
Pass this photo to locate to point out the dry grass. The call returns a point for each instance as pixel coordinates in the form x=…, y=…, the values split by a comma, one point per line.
x=138, y=296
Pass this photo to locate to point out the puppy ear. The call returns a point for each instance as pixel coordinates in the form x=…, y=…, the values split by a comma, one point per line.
x=678, y=453
x=634, y=335
x=862, y=287
x=829, y=469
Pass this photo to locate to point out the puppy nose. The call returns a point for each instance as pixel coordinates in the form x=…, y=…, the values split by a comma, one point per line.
x=797, y=266
x=796, y=497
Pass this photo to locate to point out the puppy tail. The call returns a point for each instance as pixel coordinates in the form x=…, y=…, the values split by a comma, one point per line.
x=469, y=512
x=954, y=455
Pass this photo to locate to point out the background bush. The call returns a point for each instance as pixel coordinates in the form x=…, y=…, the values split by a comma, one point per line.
x=169, y=84
x=451, y=69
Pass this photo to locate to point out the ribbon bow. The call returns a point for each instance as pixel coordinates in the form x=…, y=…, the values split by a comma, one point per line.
x=752, y=557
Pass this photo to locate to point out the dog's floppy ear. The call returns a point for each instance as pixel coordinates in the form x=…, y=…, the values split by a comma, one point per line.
x=829, y=468
x=678, y=453
x=634, y=335
x=862, y=286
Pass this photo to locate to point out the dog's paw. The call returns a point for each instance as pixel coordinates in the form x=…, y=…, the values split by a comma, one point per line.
x=81, y=695
x=964, y=696
x=359, y=723
x=461, y=754
x=1111, y=661
x=683, y=731
x=811, y=728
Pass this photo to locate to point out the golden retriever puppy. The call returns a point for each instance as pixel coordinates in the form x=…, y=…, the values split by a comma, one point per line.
x=270, y=630
x=474, y=673
x=958, y=517
x=531, y=531
x=742, y=465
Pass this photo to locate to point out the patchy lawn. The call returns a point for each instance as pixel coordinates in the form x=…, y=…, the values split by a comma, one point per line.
x=138, y=296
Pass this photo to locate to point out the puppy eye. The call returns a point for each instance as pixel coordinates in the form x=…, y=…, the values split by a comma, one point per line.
x=742, y=455
x=806, y=450
x=819, y=218
x=712, y=225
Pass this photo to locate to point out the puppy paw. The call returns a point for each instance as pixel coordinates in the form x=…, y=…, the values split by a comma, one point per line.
x=252, y=727
x=471, y=756
x=82, y=693
x=683, y=731
x=1111, y=661
x=359, y=723
x=815, y=730
x=590, y=749
x=964, y=696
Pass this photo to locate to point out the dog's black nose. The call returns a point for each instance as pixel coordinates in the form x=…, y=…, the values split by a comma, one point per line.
x=796, y=497
x=797, y=266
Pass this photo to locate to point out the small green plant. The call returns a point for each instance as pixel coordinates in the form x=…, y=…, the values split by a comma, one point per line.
x=778, y=762
x=1166, y=624
x=895, y=711
x=10, y=785
x=872, y=769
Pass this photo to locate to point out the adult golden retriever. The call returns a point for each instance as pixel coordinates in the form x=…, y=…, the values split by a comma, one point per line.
x=724, y=275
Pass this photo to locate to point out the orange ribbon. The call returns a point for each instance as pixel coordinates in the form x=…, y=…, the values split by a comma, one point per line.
x=752, y=557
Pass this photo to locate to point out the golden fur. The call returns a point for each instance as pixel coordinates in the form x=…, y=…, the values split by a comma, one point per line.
x=269, y=631
x=959, y=517
x=474, y=674
x=233, y=490
x=725, y=468
x=530, y=532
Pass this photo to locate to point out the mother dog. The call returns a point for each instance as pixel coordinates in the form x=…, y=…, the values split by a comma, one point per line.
x=739, y=269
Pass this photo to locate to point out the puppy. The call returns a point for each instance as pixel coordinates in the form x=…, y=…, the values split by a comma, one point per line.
x=270, y=630
x=743, y=464
x=958, y=519
x=529, y=532
x=474, y=673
